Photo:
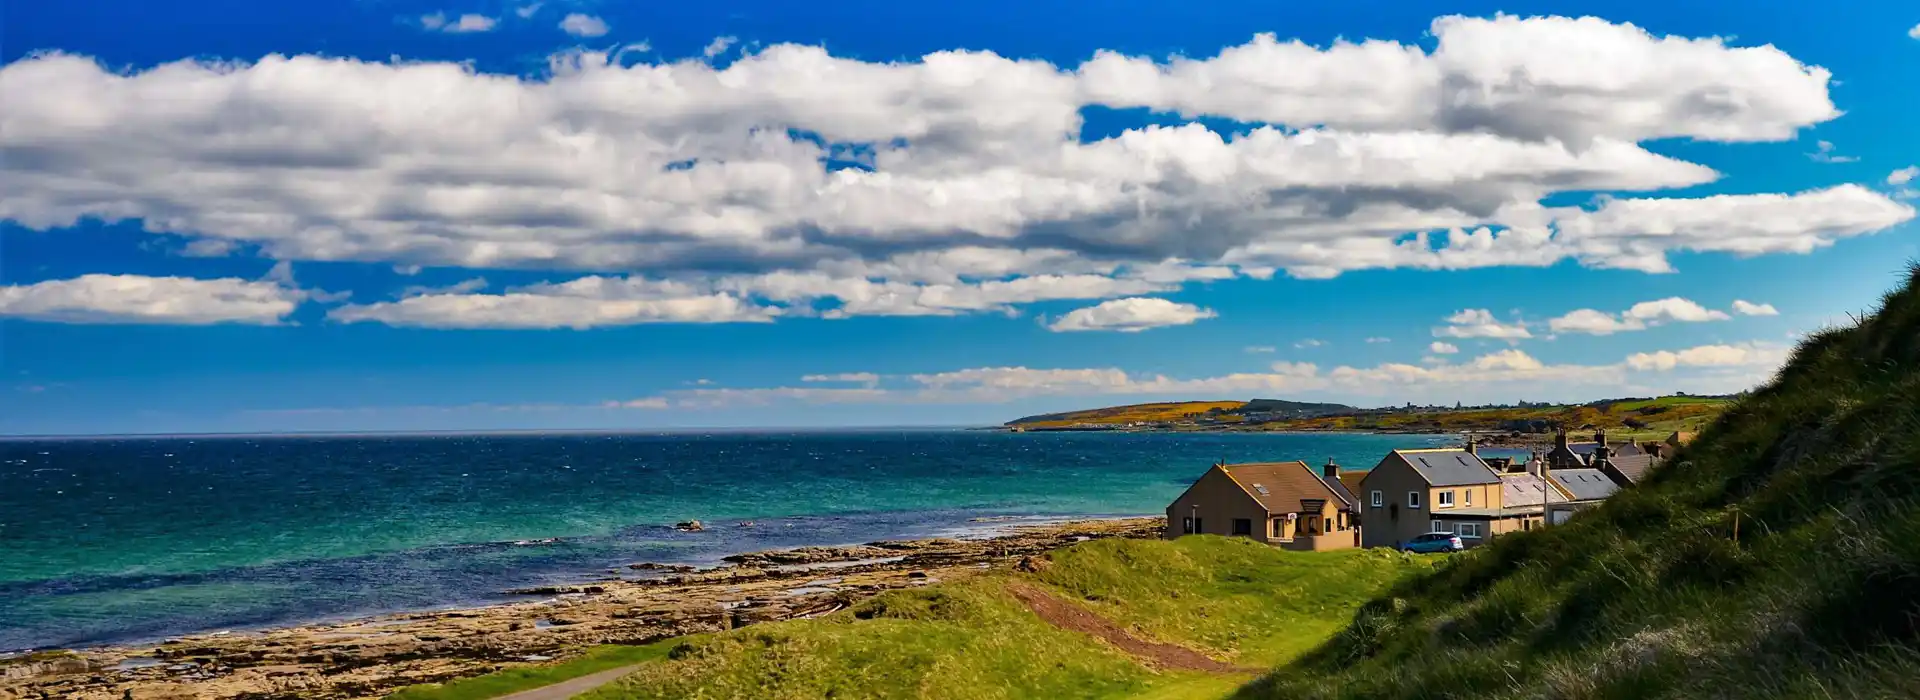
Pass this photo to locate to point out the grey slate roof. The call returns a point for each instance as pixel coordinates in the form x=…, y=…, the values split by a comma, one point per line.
x=1585, y=484
x=1634, y=467
x=1449, y=467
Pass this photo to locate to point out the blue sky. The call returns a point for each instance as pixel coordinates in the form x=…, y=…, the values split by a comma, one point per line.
x=376, y=215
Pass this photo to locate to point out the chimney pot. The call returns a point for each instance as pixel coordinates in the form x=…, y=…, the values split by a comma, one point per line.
x=1332, y=470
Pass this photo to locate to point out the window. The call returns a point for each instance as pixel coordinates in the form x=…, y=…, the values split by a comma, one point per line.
x=1446, y=499
x=1379, y=499
x=1275, y=527
x=1413, y=499
x=1243, y=526
x=1469, y=497
x=1470, y=530
x=1437, y=526
x=1199, y=526
x=1186, y=526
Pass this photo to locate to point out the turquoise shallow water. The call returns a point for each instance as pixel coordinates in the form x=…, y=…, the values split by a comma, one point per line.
x=121, y=539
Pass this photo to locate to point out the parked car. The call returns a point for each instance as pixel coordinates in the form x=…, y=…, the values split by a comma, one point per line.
x=1434, y=542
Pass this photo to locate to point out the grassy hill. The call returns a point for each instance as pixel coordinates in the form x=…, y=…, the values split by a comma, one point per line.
x=1650, y=418
x=1236, y=601
x=1245, y=607
x=1122, y=415
x=1643, y=418
x=1778, y=557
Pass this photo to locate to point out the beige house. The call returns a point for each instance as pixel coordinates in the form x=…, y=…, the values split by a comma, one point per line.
x=1286, y=504
x=1414, y=492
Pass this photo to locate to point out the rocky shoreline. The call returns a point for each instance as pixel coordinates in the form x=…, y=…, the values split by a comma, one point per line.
x=370, y=657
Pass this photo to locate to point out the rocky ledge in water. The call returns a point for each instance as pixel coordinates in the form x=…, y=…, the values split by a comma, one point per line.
x=371, y=657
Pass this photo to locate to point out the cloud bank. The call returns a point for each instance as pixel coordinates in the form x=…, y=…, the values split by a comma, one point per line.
x=822, y=176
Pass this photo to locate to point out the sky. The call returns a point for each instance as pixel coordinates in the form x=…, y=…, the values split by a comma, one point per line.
x=466, y=215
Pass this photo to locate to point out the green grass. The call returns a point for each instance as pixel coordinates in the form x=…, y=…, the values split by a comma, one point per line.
x=1229, y=598
x=1653, y=595
x=1241, y=601
x=518, y=678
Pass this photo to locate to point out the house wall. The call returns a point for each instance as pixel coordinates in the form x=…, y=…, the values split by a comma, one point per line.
x=1393, y=522
x=1338, y=540
x=1217, y=500
x=1484, y=496
x=1329, y=536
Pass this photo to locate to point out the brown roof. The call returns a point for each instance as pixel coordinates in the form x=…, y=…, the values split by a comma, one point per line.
x=1281, y=486
x=1352, y=480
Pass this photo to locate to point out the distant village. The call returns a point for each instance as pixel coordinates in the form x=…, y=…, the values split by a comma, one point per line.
x=1414, y=495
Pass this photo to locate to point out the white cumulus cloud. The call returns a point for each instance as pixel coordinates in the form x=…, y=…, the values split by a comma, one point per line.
x=1439, y=348
x=1640, y=316
x=844, y=377
x=464, y=24
x=1130, y=315
x=1505, y=375
x=1747, y=308
x=583, y=25
x=1824, y=153
x=151, y=300
x=1709, y=356
x=1480, y=323
x=874, y=182
x=718, y=46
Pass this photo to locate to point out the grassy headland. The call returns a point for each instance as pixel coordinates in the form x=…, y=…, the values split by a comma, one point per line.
x=1643, y=418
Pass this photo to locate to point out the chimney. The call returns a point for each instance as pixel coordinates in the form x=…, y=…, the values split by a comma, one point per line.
x=1600, y=436
x=1560, y=438
x=1473, y=446
x=1331, y=471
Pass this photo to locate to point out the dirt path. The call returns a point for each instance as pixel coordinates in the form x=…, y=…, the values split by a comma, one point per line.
x=567, y=689
x=1070, y=616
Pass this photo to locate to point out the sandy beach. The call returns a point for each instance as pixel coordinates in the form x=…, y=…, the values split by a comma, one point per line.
x=366, y=658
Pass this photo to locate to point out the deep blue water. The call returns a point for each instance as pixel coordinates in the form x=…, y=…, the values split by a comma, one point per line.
x=120, y=539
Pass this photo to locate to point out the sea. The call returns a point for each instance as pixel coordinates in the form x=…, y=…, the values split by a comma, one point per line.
x=131, y=539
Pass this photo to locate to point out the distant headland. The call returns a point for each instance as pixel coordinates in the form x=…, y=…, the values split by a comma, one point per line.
x=1641, y=417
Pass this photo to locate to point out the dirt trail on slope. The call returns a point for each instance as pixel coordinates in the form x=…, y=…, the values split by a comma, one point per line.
x=569, y=688
x=1070, y=616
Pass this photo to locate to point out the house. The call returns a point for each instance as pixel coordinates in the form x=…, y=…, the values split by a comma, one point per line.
x=1413, y=492
x=1287, y=504
x=1524, y=500
x=1584, y=488
x=1627, y=470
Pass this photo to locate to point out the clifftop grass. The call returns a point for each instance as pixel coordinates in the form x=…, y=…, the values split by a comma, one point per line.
x=1654, y=595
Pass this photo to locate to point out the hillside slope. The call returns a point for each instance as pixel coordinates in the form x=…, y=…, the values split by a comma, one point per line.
x=1230, y=600
x=1777, y=557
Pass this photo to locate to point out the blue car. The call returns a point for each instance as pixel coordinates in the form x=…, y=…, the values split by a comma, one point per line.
x=1434, y=542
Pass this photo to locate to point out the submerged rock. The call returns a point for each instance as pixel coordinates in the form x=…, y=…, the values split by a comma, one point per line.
x=689, y=526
